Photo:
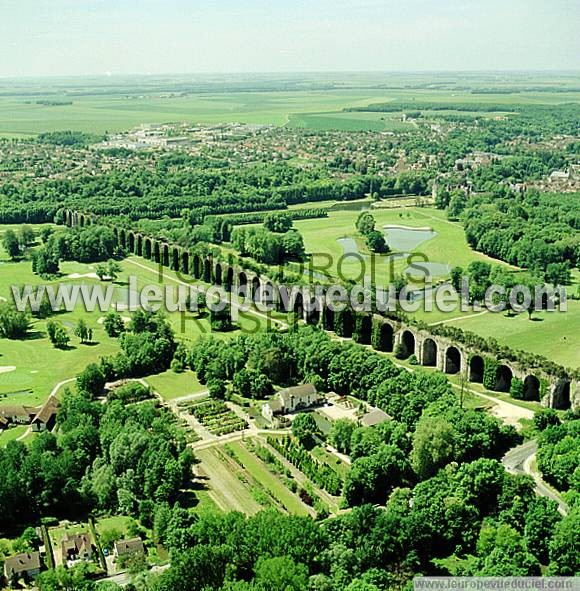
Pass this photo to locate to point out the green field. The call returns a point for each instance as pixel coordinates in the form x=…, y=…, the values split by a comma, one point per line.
x=269, y=481
x=321, y=240
x=101, y=105
x=39, y=366
x=351, y=121
x=555, y=335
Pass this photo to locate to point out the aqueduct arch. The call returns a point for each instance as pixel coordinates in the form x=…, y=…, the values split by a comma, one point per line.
x=407, y=344
x=452, y=360
x=561, y=395
x=217, y=273
x=185, y=262
x=165, y=254
x=503, y=378
x=386, y=337
x=364, y=329
x=175, y=259
x=531, y=388
x=328, y=319
x=476, y=369
x=429, y=357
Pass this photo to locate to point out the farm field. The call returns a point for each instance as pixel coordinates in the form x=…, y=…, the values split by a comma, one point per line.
x=259, y=470
x=225, y=487
x=103, y=105
x=351, y=121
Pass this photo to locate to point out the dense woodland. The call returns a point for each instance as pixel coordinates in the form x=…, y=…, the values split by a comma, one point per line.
x=449, y=506
x=531, y=230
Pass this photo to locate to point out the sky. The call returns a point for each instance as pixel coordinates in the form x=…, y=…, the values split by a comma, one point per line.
x=94, y=37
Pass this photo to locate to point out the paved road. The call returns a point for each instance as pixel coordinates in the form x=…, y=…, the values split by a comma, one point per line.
x=518, y=460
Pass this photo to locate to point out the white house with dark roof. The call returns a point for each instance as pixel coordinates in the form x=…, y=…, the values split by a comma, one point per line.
x=291, y=400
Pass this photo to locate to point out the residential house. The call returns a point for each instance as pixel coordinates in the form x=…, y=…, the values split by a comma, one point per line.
x=376, y=416
x=126, y=548
x=26, y=565
x=76, y=547
x=290, y=400
x=45, y=420
x=18, y=414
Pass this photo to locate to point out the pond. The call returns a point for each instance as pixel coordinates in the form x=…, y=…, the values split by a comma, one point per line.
x=349, y=246
x=407, y=239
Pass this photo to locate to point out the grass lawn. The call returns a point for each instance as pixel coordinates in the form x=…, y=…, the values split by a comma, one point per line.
x=321, y=237
x=119, y=522
x=556, y=335
x=331, y=460
x=174, y=385
x=269, y=481
x=11, y=434
x=39, y=366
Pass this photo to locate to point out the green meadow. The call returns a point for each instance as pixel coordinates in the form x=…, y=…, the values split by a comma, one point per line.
x=321, y=239
x=100, y=105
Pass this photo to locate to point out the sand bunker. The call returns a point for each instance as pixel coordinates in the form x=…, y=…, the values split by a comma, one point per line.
x=125, y=319
x=81, y=276
x=7, y=368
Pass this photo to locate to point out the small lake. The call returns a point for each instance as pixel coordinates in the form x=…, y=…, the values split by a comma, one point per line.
x=406, y=239
x=349, y=246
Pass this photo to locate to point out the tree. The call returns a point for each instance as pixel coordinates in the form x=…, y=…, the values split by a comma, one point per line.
x=563, y=549
x=279, y=222
x=517, y=388
x=545, y=417
x=101, y=271
x=280, y=573
x=434, y=443
x=455, y=279
x=305, y=429
x=293, y=245
x=558, y=273
x=91, y=380
x=541, y=520
x=13, y=324
x=372, y=478
x=57, y=334
x=217, y=389
x=11, y=244
x=26, y=236
x=365, y=223
x=82, y=331
x=113, y=324
x=45, y=233
x=113, y=269
x=376, y=242
x=45, y=261
x=341, y=434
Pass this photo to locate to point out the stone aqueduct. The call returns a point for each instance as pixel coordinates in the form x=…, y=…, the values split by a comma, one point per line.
x=385, y=334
